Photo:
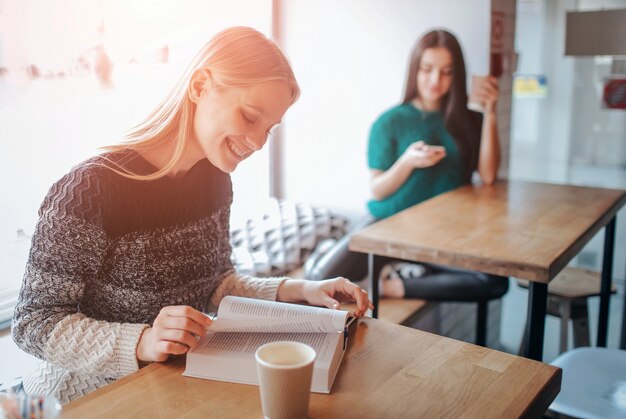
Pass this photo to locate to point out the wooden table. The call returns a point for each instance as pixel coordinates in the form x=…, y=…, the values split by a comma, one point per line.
x=522, y=229
x=387, y=371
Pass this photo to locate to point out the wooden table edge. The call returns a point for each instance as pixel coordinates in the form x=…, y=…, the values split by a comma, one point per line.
x=546, y=396
x=562, y=260
x=178, y=362
x=528, y=271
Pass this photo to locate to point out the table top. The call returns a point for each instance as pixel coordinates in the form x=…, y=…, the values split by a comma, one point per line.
x=387, y=371
x=513, y=228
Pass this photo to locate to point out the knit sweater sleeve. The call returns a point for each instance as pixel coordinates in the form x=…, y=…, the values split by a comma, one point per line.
x=234, y=283
x=67, y=251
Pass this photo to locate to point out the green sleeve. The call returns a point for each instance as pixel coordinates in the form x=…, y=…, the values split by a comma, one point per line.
x=382, y=146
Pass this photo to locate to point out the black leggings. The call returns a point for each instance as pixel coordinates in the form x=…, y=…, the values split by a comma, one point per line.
x=445, y=283
x=438, y=283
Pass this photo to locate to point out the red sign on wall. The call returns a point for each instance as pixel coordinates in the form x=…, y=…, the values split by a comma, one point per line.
x=614, y=95
x=497, y=31
x=497, y=44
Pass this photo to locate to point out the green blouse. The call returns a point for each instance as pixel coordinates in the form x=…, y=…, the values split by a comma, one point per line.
x=391, y=135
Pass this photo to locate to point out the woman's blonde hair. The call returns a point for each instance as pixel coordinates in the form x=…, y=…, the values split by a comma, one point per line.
x=236, y=57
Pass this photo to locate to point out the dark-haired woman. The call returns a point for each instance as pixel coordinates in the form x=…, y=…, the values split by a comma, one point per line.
x=429, y=144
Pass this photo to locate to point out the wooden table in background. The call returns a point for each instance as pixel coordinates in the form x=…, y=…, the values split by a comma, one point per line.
x=387, y=371
x=523, y=229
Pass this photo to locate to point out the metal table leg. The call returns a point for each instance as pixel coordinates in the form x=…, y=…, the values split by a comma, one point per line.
x=607, y=277
x=537, y=304
x=374, y=266
x=481, y=323
x=622, y=344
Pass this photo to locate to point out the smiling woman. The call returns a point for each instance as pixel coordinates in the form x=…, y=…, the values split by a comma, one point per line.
x=132, y=246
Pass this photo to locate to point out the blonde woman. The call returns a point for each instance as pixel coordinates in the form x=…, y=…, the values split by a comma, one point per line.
x=132, y=245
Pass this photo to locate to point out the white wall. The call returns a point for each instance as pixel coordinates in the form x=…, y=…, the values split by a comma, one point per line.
x=50, y=124
x=541, y=126
x=350, y=58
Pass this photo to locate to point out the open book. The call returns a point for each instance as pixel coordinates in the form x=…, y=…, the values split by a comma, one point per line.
x=226, y=352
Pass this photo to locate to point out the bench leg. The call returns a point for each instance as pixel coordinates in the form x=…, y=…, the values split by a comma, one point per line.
x=580, y=326
x=565, y=313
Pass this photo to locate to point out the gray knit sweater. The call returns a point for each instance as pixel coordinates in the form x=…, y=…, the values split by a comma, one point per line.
x=107, y=254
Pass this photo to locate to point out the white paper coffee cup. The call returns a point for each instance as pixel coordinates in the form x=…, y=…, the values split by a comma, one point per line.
x=474, y=103
x=285, y=370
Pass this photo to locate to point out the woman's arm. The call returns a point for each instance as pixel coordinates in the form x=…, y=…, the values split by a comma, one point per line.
x=329, y=293
x=386, y=183
x=417, y=156
x=233, y=283
x=489, y=153
x=66, y=252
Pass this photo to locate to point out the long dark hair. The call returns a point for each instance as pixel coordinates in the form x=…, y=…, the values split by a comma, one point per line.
x=463, y=124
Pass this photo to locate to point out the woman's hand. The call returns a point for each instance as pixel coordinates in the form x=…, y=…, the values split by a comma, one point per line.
x=487, y=92
x=420, y=155
x=175, y=330
x=330, y=293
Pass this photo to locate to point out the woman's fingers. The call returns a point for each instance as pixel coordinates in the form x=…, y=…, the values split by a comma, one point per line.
x=426, y=155
x=487, y=91
x=417, y=145
x=435, y=158
x=358, y=294
x=427, y=160
x=173, y=348
x=183, y=318
x=184, y=324
x=175, y=330
x=188, y=312
x=178, y=336
x=487, y=81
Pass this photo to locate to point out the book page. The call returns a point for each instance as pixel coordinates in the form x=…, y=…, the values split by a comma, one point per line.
x=323, y=344
x=229, y=357
x=238, y=314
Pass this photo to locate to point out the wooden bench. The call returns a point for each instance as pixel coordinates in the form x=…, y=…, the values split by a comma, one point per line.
x=568, y=293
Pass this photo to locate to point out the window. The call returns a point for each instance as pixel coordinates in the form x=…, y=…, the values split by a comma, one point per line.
x=74, y=76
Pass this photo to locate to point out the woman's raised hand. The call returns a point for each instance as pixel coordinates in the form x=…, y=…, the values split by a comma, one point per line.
x=175, y=330
x=486, y=91
x=420, y=155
